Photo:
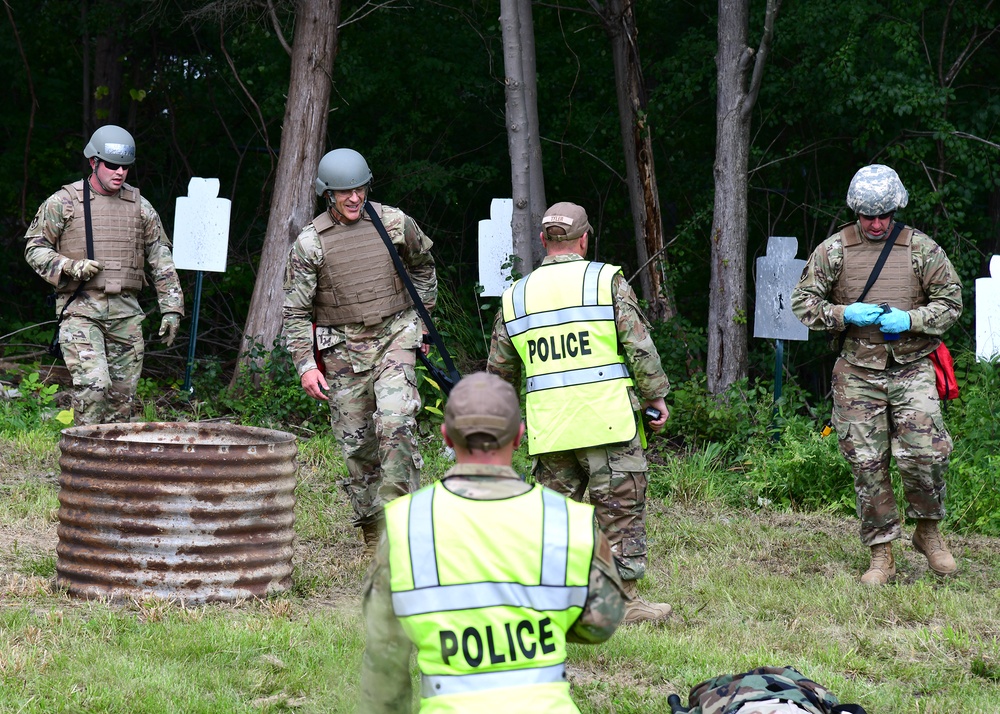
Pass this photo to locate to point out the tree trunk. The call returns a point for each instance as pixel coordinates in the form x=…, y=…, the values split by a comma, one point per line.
x=727, y=313
x=522, y=132
x=303, y=133
x=536, y=179
x=618, y=17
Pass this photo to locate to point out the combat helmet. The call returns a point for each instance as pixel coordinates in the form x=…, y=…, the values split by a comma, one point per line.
x=875, y=190
x=342, y=170
x=113, y=144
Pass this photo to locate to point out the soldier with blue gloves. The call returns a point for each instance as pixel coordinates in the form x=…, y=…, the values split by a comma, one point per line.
x=885, y=402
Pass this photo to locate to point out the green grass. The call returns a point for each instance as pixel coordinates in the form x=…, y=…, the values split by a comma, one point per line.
x=749, y=586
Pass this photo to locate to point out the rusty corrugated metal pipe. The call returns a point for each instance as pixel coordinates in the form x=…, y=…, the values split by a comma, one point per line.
x=198, y=512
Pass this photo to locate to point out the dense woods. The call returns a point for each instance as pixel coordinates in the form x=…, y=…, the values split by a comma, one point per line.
x=418, y=87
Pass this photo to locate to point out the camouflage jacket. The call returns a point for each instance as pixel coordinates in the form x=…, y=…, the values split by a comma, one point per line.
x=633, y=336
x=41, y=250
x=811, y=298
x=385, y=674
x=364, y=344
x=727, y=693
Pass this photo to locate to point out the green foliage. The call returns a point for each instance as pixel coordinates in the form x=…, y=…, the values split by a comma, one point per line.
x=269, y=393
x=800, y=469
x=744, y=412
x=35, y=407
x=738, y=448
x=973, y=498
x=690, y=478
x=682, y=347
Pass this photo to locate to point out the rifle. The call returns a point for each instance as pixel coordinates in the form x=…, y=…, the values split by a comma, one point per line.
x=440, y=377
x=445, y=379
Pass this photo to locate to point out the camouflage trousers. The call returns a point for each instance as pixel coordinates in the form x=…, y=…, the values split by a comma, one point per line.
x=891, y=412
x=373, y=415
x=615, y=476
x=104, y=358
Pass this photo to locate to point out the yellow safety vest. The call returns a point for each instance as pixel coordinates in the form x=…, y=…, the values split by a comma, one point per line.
x=486, y=591
x=561, y=321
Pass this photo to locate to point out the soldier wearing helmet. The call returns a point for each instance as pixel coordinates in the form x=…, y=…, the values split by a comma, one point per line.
x=885, y=400
x=341, y=278
x=97, y=286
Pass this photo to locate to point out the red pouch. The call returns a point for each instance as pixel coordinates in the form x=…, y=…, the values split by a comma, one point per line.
x=944, y=370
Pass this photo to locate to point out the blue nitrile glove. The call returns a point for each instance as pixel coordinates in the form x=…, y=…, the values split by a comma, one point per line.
x=861, y=314
x=894, y=321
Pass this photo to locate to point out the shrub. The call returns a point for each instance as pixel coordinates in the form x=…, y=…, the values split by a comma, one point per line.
x=269, y=393
x=799, y=468
x=973, y=498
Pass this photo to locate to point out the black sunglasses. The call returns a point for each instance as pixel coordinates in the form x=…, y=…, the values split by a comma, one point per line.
x=115, y=167
x=881, y=217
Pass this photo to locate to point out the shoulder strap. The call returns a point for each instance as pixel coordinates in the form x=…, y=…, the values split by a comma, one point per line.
x=453, y=373
x=89, y=229
x=882, y=257
x=88, y=225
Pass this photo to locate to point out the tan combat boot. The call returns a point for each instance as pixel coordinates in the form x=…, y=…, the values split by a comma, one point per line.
x=883, y=565
x=370, y=533
x=928, y=540
x=638, y=610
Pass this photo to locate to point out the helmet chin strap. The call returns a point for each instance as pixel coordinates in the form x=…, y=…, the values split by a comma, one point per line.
x=107, y=189
x=330, y=207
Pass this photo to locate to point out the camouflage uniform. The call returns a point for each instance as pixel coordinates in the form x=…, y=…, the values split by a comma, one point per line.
x=614, y=474
x=884, y=394
x=370, y=369
x=754, y=690
x=385, y=674
x=101, y=334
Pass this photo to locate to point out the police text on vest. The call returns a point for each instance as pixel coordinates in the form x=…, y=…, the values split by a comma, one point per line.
x=551, y=347
x=515, y=638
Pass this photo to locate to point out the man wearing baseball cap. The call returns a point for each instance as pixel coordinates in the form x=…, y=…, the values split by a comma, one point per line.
x=575, y=328
x=487, y=576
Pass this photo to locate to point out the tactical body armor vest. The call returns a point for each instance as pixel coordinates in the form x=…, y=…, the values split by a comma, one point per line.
x=358, y=282
x=897, y=285
x=118, y=244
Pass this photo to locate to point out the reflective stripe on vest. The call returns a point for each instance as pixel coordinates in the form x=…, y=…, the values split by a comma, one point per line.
x=442, y=685
x=577, y=376
x=429, y=595
x=561, y=321
x=486, y=590
x=589, y=310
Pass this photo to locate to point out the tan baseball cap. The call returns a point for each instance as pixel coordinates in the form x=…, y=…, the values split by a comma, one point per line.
x=568, y=216
x=482, y=412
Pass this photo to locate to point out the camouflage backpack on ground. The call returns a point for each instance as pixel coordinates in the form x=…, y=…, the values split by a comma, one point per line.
x=726, y=694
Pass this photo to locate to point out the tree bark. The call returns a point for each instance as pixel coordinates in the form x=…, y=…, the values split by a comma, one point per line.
x=303, y=133
x=727, y=314
x=618, y=18
x=524, y=144
x=536, y=179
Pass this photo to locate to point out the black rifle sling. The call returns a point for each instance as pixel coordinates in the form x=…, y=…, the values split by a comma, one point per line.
x=453, y=373
x=89, y=229
x=88, y=226
x=883, y=256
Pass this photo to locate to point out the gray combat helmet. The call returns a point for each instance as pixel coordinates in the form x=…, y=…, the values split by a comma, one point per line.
x=342, y=170
x=111, y=143
x=875, y=190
